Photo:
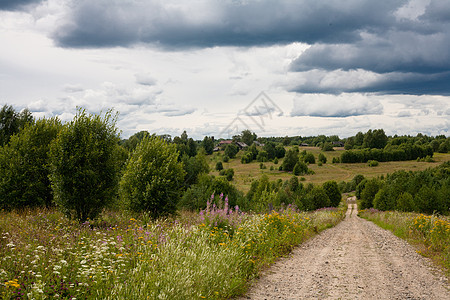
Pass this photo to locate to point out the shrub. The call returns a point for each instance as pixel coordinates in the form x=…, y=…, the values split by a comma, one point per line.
x=231, y=150
x=275, y=161
x=24, y=166
x=372, y=163
x=226, y=158
x=309, y=158
x=368, y=193
x=322, y=158
x=290, y=160
x=84, y=169
x=153, y=178
x=405, y=202
x=300, y=168
x=327, y=147
x=219, y=166
x=334, y=194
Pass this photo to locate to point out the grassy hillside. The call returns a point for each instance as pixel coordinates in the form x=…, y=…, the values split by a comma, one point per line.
x=246, y=173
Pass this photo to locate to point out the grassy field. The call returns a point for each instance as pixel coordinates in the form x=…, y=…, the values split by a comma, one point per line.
x=246, y=173
x=207, y=255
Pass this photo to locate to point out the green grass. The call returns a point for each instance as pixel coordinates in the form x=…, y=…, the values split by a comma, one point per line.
x=246, y=173
x=429, y=234
x=209, y=255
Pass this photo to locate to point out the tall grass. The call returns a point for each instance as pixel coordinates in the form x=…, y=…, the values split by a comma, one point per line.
x=430, y=234
x=210, y=255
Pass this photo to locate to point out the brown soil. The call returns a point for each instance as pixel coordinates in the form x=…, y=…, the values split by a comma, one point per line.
x=354, y=260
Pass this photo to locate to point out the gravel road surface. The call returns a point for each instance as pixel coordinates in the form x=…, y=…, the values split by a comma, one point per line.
x=354, y=260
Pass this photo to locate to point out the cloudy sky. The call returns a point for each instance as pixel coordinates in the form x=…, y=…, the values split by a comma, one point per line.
x=217, y=67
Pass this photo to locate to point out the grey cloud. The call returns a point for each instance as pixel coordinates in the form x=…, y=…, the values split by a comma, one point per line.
x=315, y=105
x=177, y=24
x=403, y=114
x=16, y=4
x=145, y=79
x=179, y=112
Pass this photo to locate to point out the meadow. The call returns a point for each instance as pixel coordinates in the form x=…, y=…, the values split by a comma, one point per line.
x=212, y=254
x=246, y=173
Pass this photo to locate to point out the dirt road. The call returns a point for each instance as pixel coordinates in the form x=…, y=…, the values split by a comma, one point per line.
x=354, y=260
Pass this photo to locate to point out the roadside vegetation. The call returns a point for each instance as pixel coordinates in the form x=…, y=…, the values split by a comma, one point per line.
x=85, y=214
x=430, y=234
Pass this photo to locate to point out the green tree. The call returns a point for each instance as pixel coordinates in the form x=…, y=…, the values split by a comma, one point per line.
x=327, y=147
x=332, y=190
x=322, y=158
x=368, y=193
x=248, y=137
x=290, y=160
x=24, y=166
x=208, y=144
x=193, y=167
x=153, y=178
x=219, y=166
x=405, y=202
x=231, y=150
x=12, y=122
x=84, y=169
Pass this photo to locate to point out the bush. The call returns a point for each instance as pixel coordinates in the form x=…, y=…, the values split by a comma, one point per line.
x=219, y=166
x=372, y=163
x=229, y=174
x=275, y=161
x=334, y=194
x=327, y=147
x=153, y=178
x=84, y=169
x=371, y=188
x=226, y=158
x=197, y=195
x=24, y=166
x=300, y=168
x=290, y=160
x=405, y=202
x=231, y=150
x=322, y=158
x=309, y=158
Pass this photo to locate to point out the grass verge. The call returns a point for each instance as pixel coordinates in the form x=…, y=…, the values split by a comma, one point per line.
x=212, y=254
x=429, y=234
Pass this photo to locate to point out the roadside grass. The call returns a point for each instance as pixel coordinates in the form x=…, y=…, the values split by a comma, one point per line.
x=245, y=174
x=212, y=254
x=429, y=234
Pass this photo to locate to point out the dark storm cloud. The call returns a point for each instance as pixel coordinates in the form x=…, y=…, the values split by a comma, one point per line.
x=173, y=24
x=406, y=47
x=16, y=4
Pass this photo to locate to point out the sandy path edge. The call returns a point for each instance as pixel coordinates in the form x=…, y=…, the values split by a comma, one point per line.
x=354, y=260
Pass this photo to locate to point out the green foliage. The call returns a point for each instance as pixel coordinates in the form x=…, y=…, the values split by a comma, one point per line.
x=270, y=149
x=280, y=152
x=290, y=160
x=316, y=198
x=375, y=139
x=194, y=166
x=405, y=202
x=322, y=158
x=308, y=158
x=275, y=161
x=219, y=166
x=229, y=174
x=226, y=158
x=24, y=166
x=327, y=147
x=84, y=170
x=208, y=144
x=402, y=152
x=334, y=194
x=300, y=168
x=371, y=188
x=231, y=150
x=336, y=160
x=425, y=191
x=372, y=163
x=131, y=143
x=197, y=195
x=248, y=137
x=262, y=156
x=153, y=178
x=12, y=122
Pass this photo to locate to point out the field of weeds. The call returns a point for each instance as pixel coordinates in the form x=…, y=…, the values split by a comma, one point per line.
x=430, y=234
x=212, y=254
